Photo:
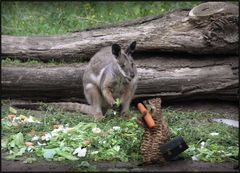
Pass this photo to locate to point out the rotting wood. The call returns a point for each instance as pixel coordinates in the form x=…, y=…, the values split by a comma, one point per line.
x=216, y=32
x=172, y=78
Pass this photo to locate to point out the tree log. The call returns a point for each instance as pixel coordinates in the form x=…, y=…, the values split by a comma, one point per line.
x=211, y=30
x=170, y=77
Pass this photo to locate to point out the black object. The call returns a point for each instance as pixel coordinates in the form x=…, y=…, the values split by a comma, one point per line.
x=172, y=148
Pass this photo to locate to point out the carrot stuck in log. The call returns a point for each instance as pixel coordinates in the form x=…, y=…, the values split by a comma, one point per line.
x=146, y=115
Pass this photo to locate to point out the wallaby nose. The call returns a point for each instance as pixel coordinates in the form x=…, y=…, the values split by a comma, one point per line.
x=132, y=75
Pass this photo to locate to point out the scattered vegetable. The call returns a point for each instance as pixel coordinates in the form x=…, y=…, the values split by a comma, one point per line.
x=115, y=138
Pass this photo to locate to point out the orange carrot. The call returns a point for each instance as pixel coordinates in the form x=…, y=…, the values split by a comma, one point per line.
x=11, y=116
x=147, y=116
x=28, y=144
x=86, y=142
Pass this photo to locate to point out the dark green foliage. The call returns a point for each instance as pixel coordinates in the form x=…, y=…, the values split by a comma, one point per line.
x=46, y=18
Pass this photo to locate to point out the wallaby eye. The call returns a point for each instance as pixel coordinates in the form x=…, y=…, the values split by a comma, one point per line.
x=123, y=65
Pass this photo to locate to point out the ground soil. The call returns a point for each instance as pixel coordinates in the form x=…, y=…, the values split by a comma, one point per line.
x=180, y=165
x=231, y=109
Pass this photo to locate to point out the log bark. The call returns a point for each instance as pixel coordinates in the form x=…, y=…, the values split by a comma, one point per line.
x=201, y=32
x=170, y=77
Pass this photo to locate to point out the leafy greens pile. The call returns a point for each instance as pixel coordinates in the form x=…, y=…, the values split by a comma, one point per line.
x=114, y=138
x=59, y=135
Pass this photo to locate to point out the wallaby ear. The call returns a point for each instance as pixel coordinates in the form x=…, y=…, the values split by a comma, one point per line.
x=116, y=50
x=131, y=48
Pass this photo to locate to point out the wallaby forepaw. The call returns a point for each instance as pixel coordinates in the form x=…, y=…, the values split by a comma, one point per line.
x=116, y=107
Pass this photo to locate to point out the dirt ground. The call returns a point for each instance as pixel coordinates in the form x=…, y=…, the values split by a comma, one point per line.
x=181, y=165
x=231, y=109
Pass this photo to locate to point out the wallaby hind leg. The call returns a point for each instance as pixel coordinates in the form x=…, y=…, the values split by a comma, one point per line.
x=104, y=110
x=93, y=97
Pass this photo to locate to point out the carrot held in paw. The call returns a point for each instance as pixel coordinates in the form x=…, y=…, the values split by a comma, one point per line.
x=146, y=115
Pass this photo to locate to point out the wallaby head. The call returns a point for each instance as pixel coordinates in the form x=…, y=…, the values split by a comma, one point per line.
x=125, y=60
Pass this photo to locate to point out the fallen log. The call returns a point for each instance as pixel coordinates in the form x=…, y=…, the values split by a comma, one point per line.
x=211, y=28
x=168, y=76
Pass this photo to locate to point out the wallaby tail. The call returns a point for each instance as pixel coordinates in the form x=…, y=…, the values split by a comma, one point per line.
x=74, y=107
x=67, y=106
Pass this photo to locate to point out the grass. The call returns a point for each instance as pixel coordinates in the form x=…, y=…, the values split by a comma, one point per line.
x=17, y=62
x=48, y=18
x=197, y=131
x=119, y=138
x=11, y=61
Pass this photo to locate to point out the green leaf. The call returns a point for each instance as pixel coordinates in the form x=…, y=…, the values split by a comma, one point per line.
x=58, y=158
x=84, y=164
x=118, y=102
x=4, y=143
x=10, y=157
x=67, y=155
x=18, y=139
x=21, y=151
x=49, y=153
x=30, y=160
x=12, y=110
x=116, y=148
x=12, y=144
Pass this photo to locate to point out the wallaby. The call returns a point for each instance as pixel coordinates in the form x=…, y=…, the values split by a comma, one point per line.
x=110, y=74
